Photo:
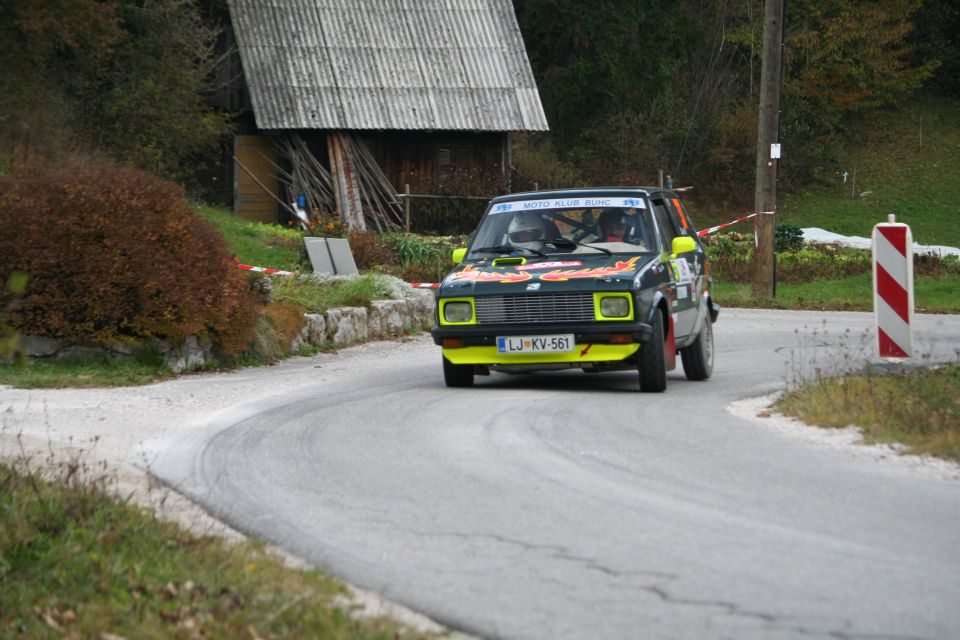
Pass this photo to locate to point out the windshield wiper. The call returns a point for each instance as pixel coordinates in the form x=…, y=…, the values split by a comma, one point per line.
x=576, y=243
x=507, y=249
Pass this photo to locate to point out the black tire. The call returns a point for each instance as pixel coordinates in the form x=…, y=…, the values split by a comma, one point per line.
x=650, y=364
x=457, y=375
x=698, y=357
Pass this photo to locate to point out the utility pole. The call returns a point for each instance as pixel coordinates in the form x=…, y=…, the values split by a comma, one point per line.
x=768, y=149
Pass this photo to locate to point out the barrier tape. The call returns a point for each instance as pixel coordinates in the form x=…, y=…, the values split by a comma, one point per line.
x=704, y=232
x=278, y=272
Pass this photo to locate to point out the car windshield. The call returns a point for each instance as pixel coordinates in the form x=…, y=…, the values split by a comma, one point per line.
x=551, y=226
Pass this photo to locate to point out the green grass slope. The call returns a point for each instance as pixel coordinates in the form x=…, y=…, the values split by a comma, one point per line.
x=905, y=162
x=257, y=244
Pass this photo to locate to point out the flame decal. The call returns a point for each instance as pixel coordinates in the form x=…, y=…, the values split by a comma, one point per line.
x=471, y=274
x=560, y=275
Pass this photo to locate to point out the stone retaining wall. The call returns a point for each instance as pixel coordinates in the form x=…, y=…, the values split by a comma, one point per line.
x=337, y=327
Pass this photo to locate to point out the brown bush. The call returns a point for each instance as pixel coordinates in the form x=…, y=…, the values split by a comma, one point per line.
x=117, y=254
x=369, y=251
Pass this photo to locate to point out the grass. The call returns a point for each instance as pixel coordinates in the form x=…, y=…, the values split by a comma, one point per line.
x=258, y=244
x=319, y=294
x=931, y=295
x=78, y=563
x=76, y=373
x=919, y=409
x=907, y=162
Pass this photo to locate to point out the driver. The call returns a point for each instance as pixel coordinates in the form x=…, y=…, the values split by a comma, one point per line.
x=613, y=225
x=526, y=230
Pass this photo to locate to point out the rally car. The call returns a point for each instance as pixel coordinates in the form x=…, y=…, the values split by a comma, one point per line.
x=594, y=279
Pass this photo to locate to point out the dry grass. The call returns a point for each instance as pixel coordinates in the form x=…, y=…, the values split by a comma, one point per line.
x=77, y=562
x=918, y=407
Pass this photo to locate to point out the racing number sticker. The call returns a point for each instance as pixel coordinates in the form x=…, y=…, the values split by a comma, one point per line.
x=681, y=270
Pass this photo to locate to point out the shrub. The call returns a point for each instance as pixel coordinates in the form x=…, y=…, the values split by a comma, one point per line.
x=9, y=337
x=408, y=256
x=731, y=260
x=787, y=237
x=935, y=266
x=369, y=251
x=410, y=247
x=287, y=320
x=318, y=293
x=117, y=254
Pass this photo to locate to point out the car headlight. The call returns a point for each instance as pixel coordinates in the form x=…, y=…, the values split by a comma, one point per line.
x=618, y=307
x=458, y=312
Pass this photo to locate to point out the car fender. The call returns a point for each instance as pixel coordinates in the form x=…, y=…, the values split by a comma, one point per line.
x=656, y=302
x=648, y=305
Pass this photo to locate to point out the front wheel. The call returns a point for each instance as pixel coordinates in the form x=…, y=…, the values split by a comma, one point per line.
x=457, y=375
x=651, y=365
x=698, y=357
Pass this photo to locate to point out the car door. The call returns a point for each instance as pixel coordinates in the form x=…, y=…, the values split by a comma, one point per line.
x=697, y=259
x=684, y=265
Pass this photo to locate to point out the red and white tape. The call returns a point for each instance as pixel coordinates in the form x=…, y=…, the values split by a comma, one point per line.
x=704, y=232
x=277, y=272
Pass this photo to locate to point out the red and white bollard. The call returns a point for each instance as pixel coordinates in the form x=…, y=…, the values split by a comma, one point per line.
x=893, y=289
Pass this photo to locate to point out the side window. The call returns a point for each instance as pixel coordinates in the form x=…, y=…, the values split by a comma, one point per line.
x=681, y=219
x=667, y=229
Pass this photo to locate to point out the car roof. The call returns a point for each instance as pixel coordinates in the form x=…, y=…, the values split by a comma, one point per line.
x=583, y=191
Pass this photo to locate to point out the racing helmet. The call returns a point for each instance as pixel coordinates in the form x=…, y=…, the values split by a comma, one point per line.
x=526, y=230
x=611, y=221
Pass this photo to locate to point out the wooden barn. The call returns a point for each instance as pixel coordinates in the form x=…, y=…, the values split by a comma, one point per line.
x=342, y=102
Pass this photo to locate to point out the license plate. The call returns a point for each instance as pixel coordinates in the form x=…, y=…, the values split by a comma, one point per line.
x=535, y=344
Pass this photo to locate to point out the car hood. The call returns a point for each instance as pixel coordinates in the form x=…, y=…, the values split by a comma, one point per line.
x=573, y=272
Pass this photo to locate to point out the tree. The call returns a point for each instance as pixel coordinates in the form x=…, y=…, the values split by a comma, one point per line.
x=630, y=87
x=937, y=37
x=121, y=77
x=52, y=51
x=601, y=61
x=844, y=60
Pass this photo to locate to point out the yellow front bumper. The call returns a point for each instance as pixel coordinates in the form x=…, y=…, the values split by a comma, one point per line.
x=583, y=353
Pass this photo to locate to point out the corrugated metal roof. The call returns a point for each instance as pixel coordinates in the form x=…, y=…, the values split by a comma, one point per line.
x=386, y=64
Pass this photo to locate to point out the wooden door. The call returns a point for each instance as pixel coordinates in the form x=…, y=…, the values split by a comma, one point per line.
x=256, y=186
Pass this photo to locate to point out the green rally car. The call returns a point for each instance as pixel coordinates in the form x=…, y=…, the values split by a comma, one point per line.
x=595, y=279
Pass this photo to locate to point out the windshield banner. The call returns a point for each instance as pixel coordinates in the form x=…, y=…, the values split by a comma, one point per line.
x=568, y=203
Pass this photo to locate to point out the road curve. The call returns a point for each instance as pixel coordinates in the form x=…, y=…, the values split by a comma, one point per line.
x=572, y=506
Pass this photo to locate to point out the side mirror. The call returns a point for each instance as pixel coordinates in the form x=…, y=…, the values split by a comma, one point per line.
x=683, y=244
x=458, y=255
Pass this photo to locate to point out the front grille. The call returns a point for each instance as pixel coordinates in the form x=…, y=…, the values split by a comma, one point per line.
x=545, y=308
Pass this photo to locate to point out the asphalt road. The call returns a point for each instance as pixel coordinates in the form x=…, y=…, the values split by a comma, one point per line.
x=572, y=506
